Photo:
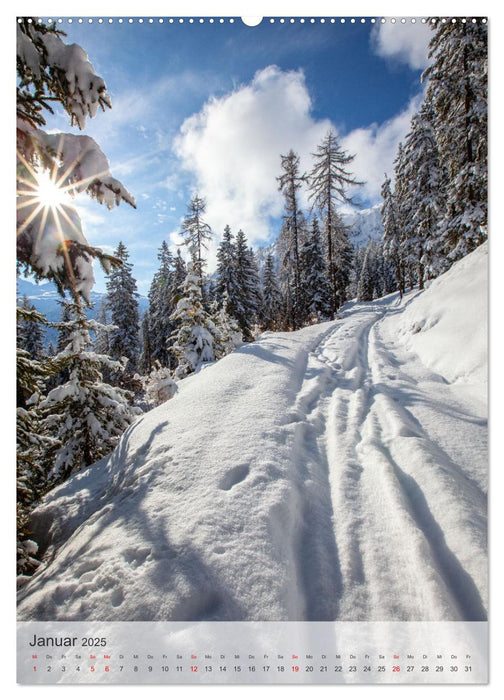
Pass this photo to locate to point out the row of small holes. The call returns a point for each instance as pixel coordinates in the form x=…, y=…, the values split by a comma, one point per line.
x=322, y=20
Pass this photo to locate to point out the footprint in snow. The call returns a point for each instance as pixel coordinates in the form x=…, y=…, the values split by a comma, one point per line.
x=234, y=476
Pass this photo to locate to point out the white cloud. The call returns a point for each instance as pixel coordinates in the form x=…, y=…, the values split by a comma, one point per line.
x=232, y=149
x=375, y=148
x=407, y=43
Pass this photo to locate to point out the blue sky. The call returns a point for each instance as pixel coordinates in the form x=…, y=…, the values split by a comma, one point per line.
x=210, y=107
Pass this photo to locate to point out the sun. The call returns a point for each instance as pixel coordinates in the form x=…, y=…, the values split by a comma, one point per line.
x=47, y=192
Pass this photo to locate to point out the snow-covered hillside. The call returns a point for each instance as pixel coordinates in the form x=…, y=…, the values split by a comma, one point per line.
x=338, y=472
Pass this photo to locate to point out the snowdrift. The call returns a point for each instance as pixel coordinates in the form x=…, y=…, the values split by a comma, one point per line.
x=447, y=324
x=194, y=514
x=273, y=485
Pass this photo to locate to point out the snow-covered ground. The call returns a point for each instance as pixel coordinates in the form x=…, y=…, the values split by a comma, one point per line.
x=338, y=472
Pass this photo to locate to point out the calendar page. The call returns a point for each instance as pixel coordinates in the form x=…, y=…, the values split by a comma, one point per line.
x=252, y=350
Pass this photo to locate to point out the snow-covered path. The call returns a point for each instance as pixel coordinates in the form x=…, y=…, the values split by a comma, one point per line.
x=338, y=472
x=405, y=495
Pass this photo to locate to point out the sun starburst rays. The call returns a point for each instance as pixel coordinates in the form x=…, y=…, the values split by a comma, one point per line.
x=48, y=226
x=44, y=189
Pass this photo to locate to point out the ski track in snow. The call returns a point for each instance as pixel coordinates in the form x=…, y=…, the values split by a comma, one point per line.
x=392, y=524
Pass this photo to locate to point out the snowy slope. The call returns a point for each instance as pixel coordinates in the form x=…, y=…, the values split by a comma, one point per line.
x=450, y=316
x=330, y=473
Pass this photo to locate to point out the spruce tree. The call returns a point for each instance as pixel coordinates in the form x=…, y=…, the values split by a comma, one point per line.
x=86, y=415
x=457, y=93
x=391, y=241
x=246, y=302
x=159, y=385
x=316, y=289
x=342, y=261
x=196, y=234
x=122, y=305
x=102, y=341
x=229, y=335
x=386, y=282
x=161, y=305
x=290, y=182
x=271, y=308
x=404, y=184
x=226, y=270
x=367, y=281
x=30, y=335
x=425, y=182
x=146, y=361
x=33, y=446
x=179, y=276
x=194, y=340
x=62, y=326
x=329, y=181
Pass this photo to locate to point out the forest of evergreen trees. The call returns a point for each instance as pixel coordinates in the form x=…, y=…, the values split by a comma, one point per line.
x=76, y=400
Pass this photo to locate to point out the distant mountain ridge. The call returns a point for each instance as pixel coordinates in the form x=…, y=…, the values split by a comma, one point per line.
x=46, y=299
x=365, y=225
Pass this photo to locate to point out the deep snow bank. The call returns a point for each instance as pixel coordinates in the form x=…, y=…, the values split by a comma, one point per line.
x=446, y=325
x=194, y=515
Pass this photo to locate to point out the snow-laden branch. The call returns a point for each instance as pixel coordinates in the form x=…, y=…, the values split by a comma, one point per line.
x=64, y=68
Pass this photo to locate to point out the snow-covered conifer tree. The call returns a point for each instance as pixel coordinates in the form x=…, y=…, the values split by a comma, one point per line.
x=271, y=308
x=159, y=385
x=329, y=181
x=122, y=304
x=247, y=294
x=146, y=361
x=316, y=289
x=30, y=335
x=385, y=276
x=50, y=241
x=196, y=234
x=194, y=339
x=343, y=253
x=290, y=181
x=102, y=341
x=366, y=284
x=85, y=414
x=457, y=93
x=391, y=241
x=226, y=269
x=161, y=306
x=34, y=448
x=179, y=276
x=229, y=335
x=423, y=176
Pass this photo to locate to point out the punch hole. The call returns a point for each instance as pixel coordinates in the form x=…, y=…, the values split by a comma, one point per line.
x=252, y=21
